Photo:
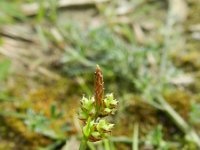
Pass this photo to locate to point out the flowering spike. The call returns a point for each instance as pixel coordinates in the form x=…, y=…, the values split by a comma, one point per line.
x=99, y=86
x=94, y=109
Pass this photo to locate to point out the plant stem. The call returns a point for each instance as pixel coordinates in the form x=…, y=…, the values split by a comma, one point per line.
x=179, y=121
x=106, y=145
x=135, y=137
x=83, y=144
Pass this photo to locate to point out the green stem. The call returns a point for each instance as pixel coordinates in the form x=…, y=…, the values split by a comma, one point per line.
x=83, y=145
x=179, y=121
x=135, y=137
x=106, y=145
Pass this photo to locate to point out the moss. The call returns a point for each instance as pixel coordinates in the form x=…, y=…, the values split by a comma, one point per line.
x=180, y=99
x=39, y=99
x=188, y=59
x=15, y=135
x=135, y=110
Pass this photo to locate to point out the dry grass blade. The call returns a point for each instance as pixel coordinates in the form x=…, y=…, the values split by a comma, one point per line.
x=19, y=32
x=183, y=80
x=178, y=10
x=140, y=36
x=32, y=9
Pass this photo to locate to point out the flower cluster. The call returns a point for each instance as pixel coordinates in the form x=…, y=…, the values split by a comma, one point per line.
x=109, y=105
x=94, y=109
x=96, y=127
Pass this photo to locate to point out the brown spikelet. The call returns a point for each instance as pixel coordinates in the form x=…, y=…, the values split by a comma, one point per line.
x=99, y=86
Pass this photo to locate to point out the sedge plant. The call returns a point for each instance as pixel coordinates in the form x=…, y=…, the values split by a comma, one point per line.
x=93, y=111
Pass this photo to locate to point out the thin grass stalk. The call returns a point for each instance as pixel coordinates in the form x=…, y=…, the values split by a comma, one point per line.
x=135, y=142
x=179, y=121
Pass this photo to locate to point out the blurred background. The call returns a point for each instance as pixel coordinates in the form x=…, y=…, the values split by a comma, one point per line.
x=148, y=51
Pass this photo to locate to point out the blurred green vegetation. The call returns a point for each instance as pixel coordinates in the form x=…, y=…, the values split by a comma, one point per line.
x=149, y=56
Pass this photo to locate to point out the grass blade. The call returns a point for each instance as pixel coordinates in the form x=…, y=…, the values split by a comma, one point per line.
x=135, y=137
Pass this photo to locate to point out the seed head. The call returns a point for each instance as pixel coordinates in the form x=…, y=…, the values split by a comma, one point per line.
x=99, y=86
